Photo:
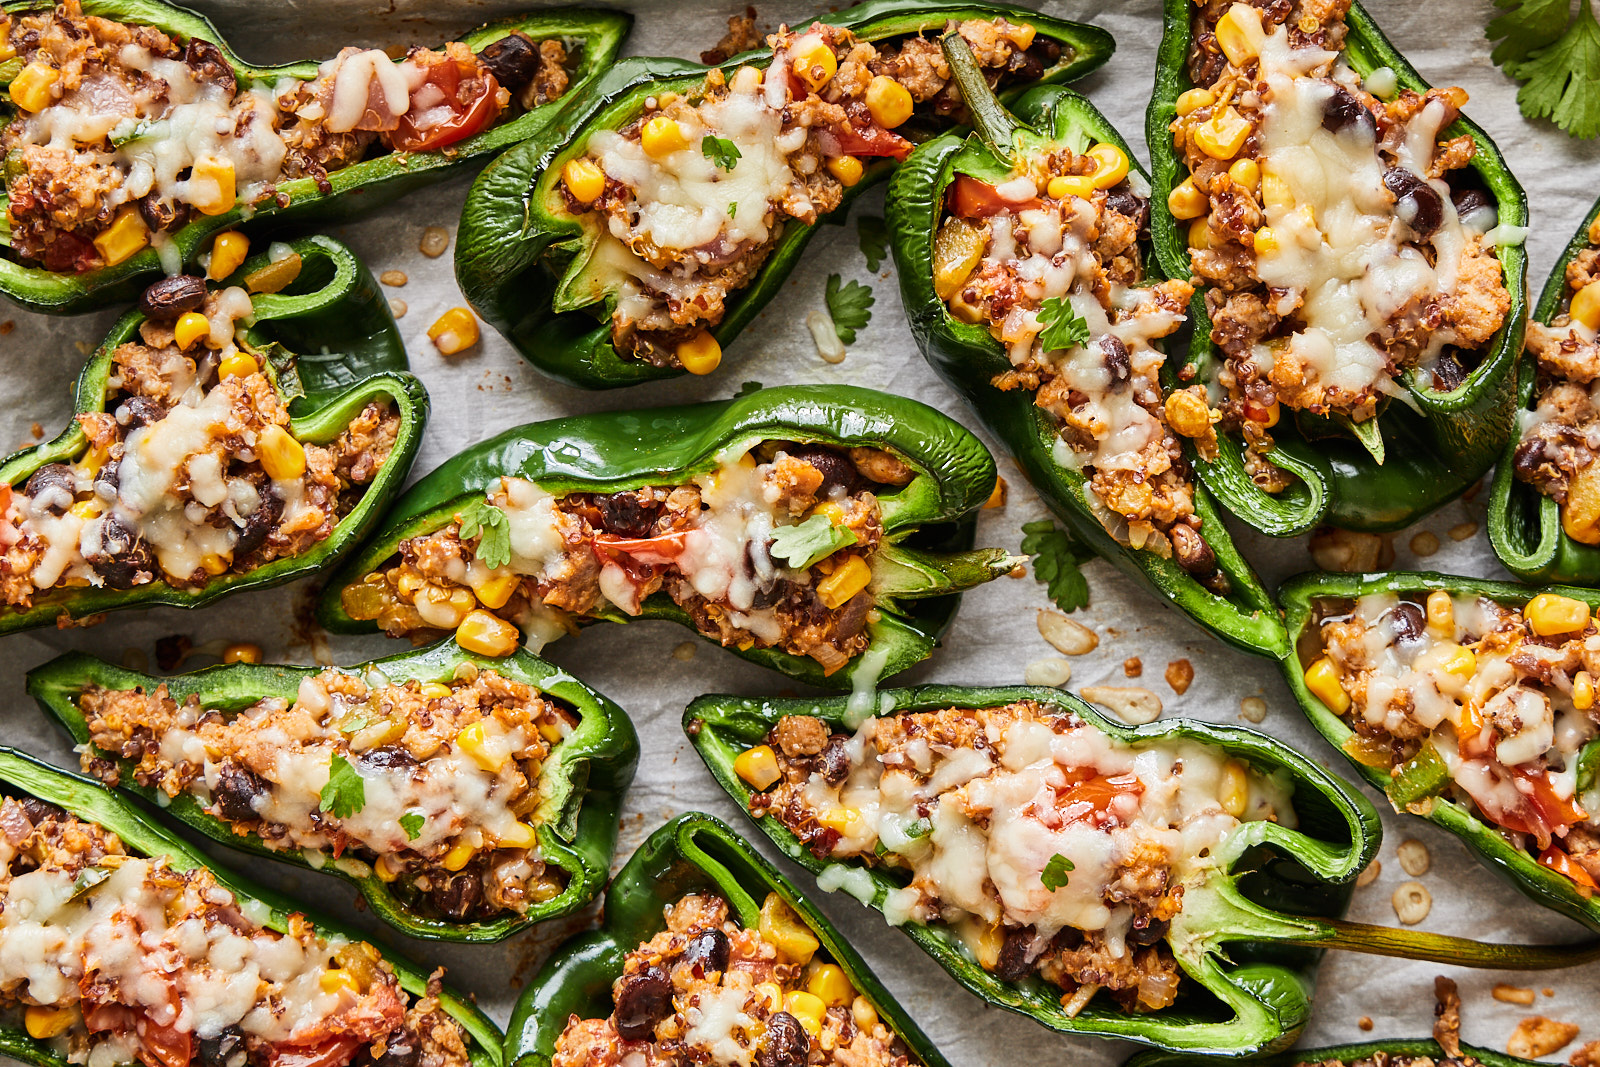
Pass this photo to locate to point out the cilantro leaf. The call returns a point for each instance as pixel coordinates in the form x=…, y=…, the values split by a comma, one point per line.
x=345, y=794
x=482, y=517
x=1055, y=872
x=920, y=828
x=1563, y=78
x=723, y=153
x=1057, y=556
x=1063, y=327
x=816, y=538
x=874, y=237
x=354, y=723
x=850, y=307
x=412, y=824
x=733, y=209
x=1527, y=25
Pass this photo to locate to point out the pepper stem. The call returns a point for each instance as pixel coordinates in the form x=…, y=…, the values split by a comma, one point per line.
x=1443, y=948
x=993, y=122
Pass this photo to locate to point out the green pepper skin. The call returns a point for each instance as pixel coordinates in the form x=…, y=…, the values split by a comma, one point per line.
x=692, y=853
x=518, y=249
x=583, y=786
x=1298, y=596
x=1431, y=457
x=23, y=775
x=968, y=358
x=354, y=189
x=1345, y=1054
x=334, y=302
x=1524, y=524
x=609, y=452
x=1281, y=876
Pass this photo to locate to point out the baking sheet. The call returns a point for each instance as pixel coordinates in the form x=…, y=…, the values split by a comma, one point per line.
x=994, y=637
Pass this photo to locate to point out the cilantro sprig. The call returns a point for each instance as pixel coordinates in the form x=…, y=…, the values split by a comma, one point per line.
x=345, y=794
x=849, y=305
x=1055, y=872
x=1556, y=55
x=802, y=545
x=1057, y=559
x=1063, y=326
x=873, y=234
x=723, y=153
x=482, y=517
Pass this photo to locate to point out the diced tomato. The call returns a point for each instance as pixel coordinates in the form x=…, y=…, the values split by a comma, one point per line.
x=335, y=1052
x=870, y=140
x=458, y=99
x=971, y=198
x=1541, y=811
x=114, y=1018
x=1559, y=861
x=1096, y=795
x=162, y=1046
x=662, y=549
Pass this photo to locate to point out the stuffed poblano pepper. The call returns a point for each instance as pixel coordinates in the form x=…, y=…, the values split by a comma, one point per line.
x=1030, y=289
x=1544, y=512
x=206, y=456
x=126, y=946
x=1166, y=884
x=465, y=797
x=1470, y=703
x=1360, y=249
x=707, y=950
x=635, y=237
x=133, y=132
x=816, y=530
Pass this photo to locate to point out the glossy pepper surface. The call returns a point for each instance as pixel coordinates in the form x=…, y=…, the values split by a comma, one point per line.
x=353, y=355
x=693, y=853
x=22, y=775
x=1433, y=445
x=581, y=787
x=925, y=559
x=1250, y=929
x=1343, y=1054
x=521, y=256
x=1524, y=524
x=595, y=35
x=968, y=357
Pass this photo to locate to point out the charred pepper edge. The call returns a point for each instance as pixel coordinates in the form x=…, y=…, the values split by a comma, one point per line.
x=22, y=774
x=507, y=234
x=608, y=452
x=1355, y=492
x=590, y=775
x=326, y=305
x=966, y=357
x=1346, y=1054
x=691, y=852
x=1273, y=982
x=599, y=32
x=1518, y=511
x=1543, y=886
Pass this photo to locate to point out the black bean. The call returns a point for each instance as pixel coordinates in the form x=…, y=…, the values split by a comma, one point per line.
x=707, y=953
x=1191, y=550
x=836, y=469
x=1448, y=371
x=629, y=513
x=165, y=300
x=1528, y=457
x=1408, y=621
x=456, y=896
x=643, y=999
x=39, y=811
x=258, y=524
x=1418, y=204
x=833, y=762
x=162, y=215
x=237, y=789
x=51, y=488
x=785, y=1043
x=1115, y=355
x=1150, y=934
x=137, y=411
x=1122, y=199
x=1013, y=964
x=389, y=758
x=1344, y=111
x=513, y=60
x=227, y=1049
x=123, y=560
x=1024, y=66
x=1470, y=201
x=207, y=61
x=402, y=1049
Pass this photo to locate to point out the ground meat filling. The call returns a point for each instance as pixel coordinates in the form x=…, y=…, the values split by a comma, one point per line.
x=123, y=133
x=1561, y=436
x=707, y=991
x=1341, y=239
x=447, y=809
x=1483, y=703
x=117, y=959
x=691, y=196
x=191, y=472
x=772, y=549
x=987, y=810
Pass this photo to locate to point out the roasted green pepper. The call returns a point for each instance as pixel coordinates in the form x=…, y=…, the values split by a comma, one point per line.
x=693, y=853
x=580, y=786
x=524, y=257
x=1525, y=525
x=926, y=520
x=1250, y=921
x=1233, y=604
x=22, y=776
x=591, y=38
x=1422, y=784
x=1448, y=428
x=332, y=310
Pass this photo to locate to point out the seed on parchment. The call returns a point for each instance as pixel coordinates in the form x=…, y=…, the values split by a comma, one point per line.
x=684, y=652
x=1051, y=670
x=1462, y=530
x=393, y=277
x=1425, y=544
x=1513, y=994
x=397, y=307
x=1133, y=704
x=1067, y=637
x=435, y=239
x=1414, y=858
x=1412, y=902
x=1133, y=666
x=1252, y=709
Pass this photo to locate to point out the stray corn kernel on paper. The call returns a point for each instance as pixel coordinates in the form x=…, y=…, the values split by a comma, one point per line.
x=994, y=639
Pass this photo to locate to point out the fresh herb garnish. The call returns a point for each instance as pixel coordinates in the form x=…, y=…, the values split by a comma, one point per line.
x=345, y=794
x=849, y=305
x=723, y=153
x=354, y=723
x=874, y=237
x=733, y=209
x=807, y=542
x=1055, y=872
x=1057, y=559
x=1063, y=326
x=482, y=517
x=412, y=824
x=1556, y=54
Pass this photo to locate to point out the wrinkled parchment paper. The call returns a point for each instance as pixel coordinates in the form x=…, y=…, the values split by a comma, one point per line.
x=993, y=639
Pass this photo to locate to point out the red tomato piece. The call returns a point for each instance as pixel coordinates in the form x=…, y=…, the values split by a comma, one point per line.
x=470, y=102
x=335, y=1052
x=1559, y=861
x=971, y=198
x=162, y=1046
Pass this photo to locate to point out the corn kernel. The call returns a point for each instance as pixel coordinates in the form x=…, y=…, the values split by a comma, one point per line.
x=228, y=253
x=213, y=564
x=829, y=984
x=494, y=590
x=700, y=354
x=813, y=61
x=1274, y=413
x=888, y=101
x=1550, y=614
x=1245, y=172
x=44, y=1023
x=1233, y=792
x=1582, y=691
x=238, y=365
x=663, y=136
x=1239, y=33
x=276, y=276
x=213, y=201
x=997, y=495
x=845, y=582
x=1585, y=306
x=838, y=819
x=191, y=327
x=337, y=981
x=770, y=994
x=92, y=461
x=1064, y=185
x=1223, y=134
x=85, y=509
x=782, y=929
x=1111, y=165
x=242, y=653
x=475, y=742
x=584, y=179
x=1195, y=99
x=454, y=332
x=1266, y=241
x=1200, y=233
x=758, y=767
x=487, y=635
x=830, y=510
x=435, y=690
x=1441, y=613
x=459, y=856
x=30, y=89
x=386, y=869
x=282, y=457
x=1580, y=514
x=1187, y=202
x=1322, y=678
x=864, y=1014
x=808, y=1008
x=1461, y=662
x=1188, y=414
x=848, y=169
x=126, y=236
x=518, y=835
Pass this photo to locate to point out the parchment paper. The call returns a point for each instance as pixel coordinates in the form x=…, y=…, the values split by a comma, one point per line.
x=993, y=639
